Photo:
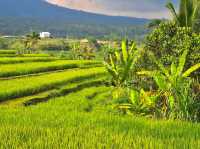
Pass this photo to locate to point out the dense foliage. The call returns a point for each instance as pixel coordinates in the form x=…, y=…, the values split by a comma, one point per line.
x=168, y=41
x=174, y=94
x=81, y=103
x=20, y=27
x=172, y=55
x=121, y=64
x=188, y=15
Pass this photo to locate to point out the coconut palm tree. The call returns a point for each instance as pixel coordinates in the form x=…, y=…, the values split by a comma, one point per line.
x=155, y=23
x=31, y=40
x=189, y=13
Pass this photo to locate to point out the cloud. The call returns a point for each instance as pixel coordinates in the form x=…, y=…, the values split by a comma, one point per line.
x=86, y=5
x=132, y=8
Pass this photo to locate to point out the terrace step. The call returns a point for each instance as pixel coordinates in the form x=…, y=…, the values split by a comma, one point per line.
x=20, y=72
x=60, y=91
x=23, y=55
x=65, y=91
x=22, y=87
x=14, y=60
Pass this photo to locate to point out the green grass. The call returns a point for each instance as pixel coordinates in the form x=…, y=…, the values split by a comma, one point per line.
x=10, y=54
x=78, y=113
x=35, y=55
x=11, y=60
x=8, y=70
x=34, y=84
x=74, y=122
x=7, y=51
x=59, y=91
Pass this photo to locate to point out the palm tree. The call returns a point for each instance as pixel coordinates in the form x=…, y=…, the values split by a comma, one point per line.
x=155, y=23
x=189, y=13
x=31, y=40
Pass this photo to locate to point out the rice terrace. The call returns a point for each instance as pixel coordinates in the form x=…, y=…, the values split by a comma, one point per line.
x=74, y=77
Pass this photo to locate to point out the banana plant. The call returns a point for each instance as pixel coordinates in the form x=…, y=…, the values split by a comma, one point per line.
x=174, y=82
x=121, y=64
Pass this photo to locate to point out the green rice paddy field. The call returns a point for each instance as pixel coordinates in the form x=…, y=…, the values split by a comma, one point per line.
x=47, y=103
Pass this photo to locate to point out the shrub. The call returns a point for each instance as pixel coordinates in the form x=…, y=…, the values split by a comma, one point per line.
x=175, y=93
x=168, y=41
x=174, y=97
x=4, y=43
x=53, y=45
x=19, y=46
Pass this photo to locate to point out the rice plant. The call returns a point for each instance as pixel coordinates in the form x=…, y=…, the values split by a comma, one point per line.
x=8, y=70
x=66, y=123
x=8, y=51
x=34, y=84
x=8, y=60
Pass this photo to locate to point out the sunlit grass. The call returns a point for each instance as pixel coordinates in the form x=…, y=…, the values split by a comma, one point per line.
x=34, y=55
x=33, y=84
x=11, y=60
x=7, y=51
x=66, y=122
x=8, y=70
x=78, y=115
x=57, y=92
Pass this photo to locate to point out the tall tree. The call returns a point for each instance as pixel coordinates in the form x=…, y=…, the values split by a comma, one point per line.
x=188, y=14
x=31, y=40
x=155, y=23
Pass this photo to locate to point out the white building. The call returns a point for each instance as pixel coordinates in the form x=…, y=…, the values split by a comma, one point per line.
x=45, y=35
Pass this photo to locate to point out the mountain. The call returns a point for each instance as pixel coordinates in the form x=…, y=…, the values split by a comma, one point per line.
x=42, y=9
x=38, y=14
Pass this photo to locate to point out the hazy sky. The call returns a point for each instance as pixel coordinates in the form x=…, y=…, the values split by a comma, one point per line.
x=133, y=8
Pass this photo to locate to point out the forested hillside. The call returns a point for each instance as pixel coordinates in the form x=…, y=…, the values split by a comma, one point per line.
x=17, y=18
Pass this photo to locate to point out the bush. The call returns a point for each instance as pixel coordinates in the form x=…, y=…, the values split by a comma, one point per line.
x=168, y=41
x=4, y=43
x=19, y=46
x=174, y=97
x=53, y=45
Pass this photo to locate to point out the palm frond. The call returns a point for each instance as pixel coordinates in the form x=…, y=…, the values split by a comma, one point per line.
x=183, y=17
x=182, y=61
x=190, y=7
x=191, y=70
x=196, y=12
x=147, y=73
x=173, y=69
x=111, y=71
x=117, y=55
x=124, y=51
x=171, y=8
x=161, y=81
x=127, y=69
